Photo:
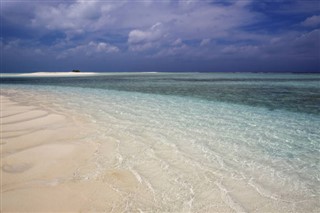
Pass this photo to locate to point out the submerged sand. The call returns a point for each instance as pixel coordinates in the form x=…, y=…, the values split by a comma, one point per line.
x=55, y=157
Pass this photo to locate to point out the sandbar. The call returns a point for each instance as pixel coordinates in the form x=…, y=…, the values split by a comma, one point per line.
x=57, y=74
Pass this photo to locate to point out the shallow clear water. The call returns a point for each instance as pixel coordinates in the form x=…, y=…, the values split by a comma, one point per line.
x=253, y=139
x=294, y=92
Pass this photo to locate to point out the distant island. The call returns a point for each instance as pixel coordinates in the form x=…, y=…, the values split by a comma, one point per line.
x=75, y=70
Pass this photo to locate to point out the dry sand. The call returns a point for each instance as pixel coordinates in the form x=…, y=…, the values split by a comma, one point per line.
x=57, y=74
x=49, y=164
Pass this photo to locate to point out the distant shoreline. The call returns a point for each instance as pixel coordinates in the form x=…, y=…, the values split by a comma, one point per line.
x=68, y=74
x=44, y=74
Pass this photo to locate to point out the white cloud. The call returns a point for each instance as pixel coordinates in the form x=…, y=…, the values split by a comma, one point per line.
x=149, y=25
x=90, y=49
x=103, y=47
x=312, y=21
x=187, y=19
x=75, y=18
x=140, y=36
x=139, y=40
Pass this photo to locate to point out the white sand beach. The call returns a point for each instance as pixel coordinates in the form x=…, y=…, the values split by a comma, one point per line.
x=46, y=161
x=57, y=74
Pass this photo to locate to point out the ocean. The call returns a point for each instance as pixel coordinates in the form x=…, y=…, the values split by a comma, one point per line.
x=248, y=141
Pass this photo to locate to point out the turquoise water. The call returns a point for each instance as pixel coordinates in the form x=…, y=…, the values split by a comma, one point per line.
x=294, y=92
x=252, y=138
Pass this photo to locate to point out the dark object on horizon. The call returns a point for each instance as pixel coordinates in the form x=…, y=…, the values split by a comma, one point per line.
x=75, y=70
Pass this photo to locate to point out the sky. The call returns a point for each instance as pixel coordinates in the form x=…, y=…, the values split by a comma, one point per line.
x=160, y=35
